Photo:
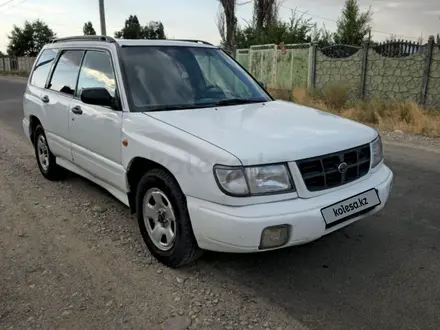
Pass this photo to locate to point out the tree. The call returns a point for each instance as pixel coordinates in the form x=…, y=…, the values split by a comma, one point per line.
x=134, y=30
x=437, y=39
x=323, y=37
x=88, y=29
x=296, y=30
x=353, y=25
x=131, y=30
x=154, y=30
x=227, y=23
x=265, y=14
x=221, y=24
x=29, y=40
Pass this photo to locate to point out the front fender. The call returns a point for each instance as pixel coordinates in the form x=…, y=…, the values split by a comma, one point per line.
x=189, y=159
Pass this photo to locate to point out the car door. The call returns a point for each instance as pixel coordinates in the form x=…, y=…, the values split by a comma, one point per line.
x=32, y=103
x=95, y=131
x=56, y=98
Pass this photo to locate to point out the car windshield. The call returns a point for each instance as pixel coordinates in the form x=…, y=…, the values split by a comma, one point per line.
x=173, y=77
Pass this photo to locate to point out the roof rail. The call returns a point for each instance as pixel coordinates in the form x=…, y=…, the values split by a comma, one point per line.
x=85, y=38
x=194, y=40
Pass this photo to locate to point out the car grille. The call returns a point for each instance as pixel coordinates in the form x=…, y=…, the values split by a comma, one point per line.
x=320, y=173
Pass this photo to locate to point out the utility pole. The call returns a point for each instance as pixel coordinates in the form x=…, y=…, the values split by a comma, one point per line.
x=102, y=17
x=420, y=39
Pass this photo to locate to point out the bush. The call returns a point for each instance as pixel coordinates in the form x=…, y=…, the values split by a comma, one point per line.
x=336, y=97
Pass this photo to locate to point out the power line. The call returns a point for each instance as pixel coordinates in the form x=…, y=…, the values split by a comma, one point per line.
x=244, y=3
x=15, y=5
x=5, y=3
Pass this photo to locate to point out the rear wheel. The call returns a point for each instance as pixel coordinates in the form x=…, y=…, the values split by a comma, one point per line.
x=45, y=159
x=164, y=220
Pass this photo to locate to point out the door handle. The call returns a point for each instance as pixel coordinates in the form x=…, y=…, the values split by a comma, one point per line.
x=45, y=99
x=77, y=110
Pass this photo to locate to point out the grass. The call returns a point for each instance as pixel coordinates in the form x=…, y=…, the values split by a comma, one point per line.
x=406, y=116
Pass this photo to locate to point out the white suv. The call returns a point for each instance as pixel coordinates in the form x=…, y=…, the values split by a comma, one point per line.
x=195, y=146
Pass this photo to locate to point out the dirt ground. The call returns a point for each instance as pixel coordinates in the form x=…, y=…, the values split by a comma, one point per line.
x=73, y=259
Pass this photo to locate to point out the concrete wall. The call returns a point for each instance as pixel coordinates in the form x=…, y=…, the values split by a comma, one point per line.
x=23, y=64
x=398, y=78
x=278, y=69
x=292, y=68
x=433, y=95
x=243, y=57
x=386, y=78
x=261, y=61
x=339, y=71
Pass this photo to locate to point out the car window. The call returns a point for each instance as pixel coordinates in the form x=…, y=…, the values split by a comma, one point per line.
x=66, y=72
x=159, y=78
x=173, y=77
x=97, y=71
x=42, y=67
x=218, y=74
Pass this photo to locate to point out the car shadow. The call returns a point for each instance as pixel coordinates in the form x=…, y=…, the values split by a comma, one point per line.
x=373, y=274
x=318, y=283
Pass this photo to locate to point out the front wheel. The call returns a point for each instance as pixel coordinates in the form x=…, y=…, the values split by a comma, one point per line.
x=164, y=220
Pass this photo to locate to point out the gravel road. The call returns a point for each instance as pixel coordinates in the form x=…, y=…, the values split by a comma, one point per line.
x=71, y=257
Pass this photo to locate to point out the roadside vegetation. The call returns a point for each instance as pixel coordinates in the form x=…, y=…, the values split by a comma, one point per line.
x=387, y=115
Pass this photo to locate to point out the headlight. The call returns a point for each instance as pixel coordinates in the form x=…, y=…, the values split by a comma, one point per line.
x=376, y=152
x=232, y=181
x=254, y=180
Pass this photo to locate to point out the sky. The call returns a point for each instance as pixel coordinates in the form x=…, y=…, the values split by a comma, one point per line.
x=195, y=19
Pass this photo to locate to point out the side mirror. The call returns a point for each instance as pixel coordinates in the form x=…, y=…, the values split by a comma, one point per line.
x=262, y=84
x=97, y=96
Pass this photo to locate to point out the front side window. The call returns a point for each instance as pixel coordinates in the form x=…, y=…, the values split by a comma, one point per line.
x=169, y=78
x=97, y=71
x=66, y=72
x=42, y=67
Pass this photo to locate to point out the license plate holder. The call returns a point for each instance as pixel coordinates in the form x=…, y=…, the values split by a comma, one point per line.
x=342, y=210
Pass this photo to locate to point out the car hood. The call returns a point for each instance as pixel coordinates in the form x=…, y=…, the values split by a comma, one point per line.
x=270, y=132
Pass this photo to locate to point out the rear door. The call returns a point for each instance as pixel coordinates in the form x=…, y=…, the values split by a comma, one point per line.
x=32, y=103
x=95, y=131
x=56, y=97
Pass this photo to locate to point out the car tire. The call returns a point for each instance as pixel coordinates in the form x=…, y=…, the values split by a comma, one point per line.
x=45, y=159
x=164, y=221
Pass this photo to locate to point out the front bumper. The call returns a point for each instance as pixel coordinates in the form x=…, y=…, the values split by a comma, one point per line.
x=238, y=229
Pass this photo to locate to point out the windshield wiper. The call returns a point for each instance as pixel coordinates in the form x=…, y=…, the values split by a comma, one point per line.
x=234, y=101
x=176, y=107
x=238, y=101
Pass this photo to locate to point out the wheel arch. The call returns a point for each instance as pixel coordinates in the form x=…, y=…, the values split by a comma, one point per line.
x=34, y=121
x=137, y=167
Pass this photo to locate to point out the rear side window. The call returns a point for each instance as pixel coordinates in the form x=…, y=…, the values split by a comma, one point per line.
x=42, y=67
x=66, y=72
x=97, y=71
